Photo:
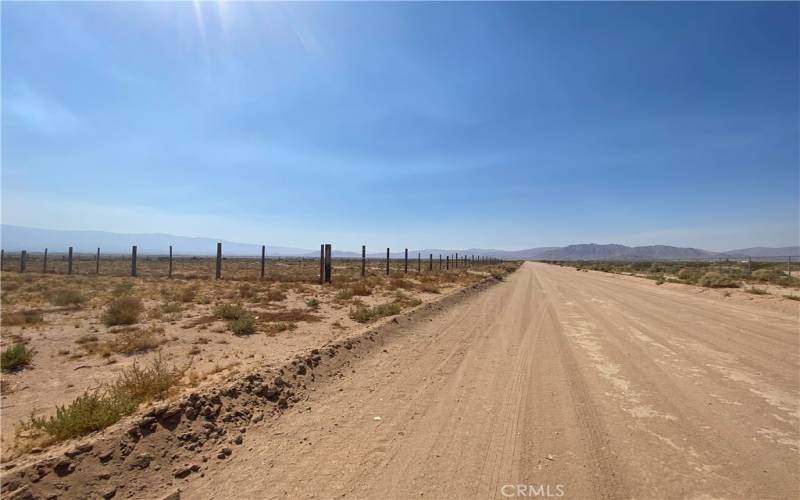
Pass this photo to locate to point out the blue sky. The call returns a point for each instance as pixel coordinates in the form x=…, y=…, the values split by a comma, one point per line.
x=406, y=125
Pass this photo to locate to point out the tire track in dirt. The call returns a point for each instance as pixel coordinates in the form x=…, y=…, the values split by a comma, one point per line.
x=722, y=449
x=473, y=425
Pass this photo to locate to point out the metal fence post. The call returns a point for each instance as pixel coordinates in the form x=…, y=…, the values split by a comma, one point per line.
x=218, y=271
x=97, y=262
x=69, y=261
x=387, y=262
x=170, y=262
x=363, y=260
x=430, y=262
x=23, y=261
x=328, y=262
x=406, y=262
x=322, y=263
x=263, y=257
x=133, y=261
x=44, y=263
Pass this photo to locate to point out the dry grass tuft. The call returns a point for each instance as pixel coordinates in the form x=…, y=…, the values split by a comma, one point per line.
x=98, y=409
x=367, y=314
x=429, y=288
x=275, y=295
x=24, y=317
x=273, y=328
x=15, y=357
x=67, y=297
x=244, y=325
x=361, y=289
x=229, y=311
x=291, y=315
x=124, y=310
x=127, y=342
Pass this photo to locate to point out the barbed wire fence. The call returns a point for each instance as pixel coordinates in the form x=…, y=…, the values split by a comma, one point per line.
x=71, y=262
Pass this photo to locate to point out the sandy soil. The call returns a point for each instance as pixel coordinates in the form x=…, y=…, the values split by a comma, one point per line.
x=553, y=382
x=62, y=369
x=587, y=383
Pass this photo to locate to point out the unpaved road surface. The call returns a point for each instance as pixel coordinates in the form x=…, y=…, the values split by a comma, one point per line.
x=588, y=384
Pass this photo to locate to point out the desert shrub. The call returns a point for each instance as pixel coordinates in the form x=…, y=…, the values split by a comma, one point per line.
x=404, y=300
x=127, y=342
x=312, y=303
x=246, y=291
x=401, y=283
x=771, y=276
x=345, y=294
x=362, y=314
x=289, y=315
x=105, y=406
x=243, y=325
x=122, y=289
x=135, y=341
x=715, y=279
x=689, y=275
x=362, y=289
x=757, y=291
x=229, y=311
x=171, y=307
x=500, y=274
x=429, y=288
x=188, y=294
x=68, y=297
x=149, y=382
x=24, y=317
x=366, y=314
x=275, y=295
x=282, y=326
x=181, y=294
x=792, y=297
x=390, y=309
x=88, y=413
x=15, y=357
x=124, y=310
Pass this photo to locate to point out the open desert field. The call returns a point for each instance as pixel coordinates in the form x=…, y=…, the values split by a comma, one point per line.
x=86, y=331
x=584, y=384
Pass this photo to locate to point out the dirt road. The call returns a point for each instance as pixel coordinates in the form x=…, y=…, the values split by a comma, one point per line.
x=554, y=381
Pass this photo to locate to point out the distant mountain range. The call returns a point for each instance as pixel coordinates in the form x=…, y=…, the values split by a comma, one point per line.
x=16, y=238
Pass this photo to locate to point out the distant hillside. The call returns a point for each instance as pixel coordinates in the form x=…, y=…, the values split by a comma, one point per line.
x=593, y=251
x=16, y=238
x=766, y=252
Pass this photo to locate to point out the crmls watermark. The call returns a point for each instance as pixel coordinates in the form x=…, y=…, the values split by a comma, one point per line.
x=532, y=490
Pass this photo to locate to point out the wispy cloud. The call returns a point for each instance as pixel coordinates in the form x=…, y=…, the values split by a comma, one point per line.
x=38, y=113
